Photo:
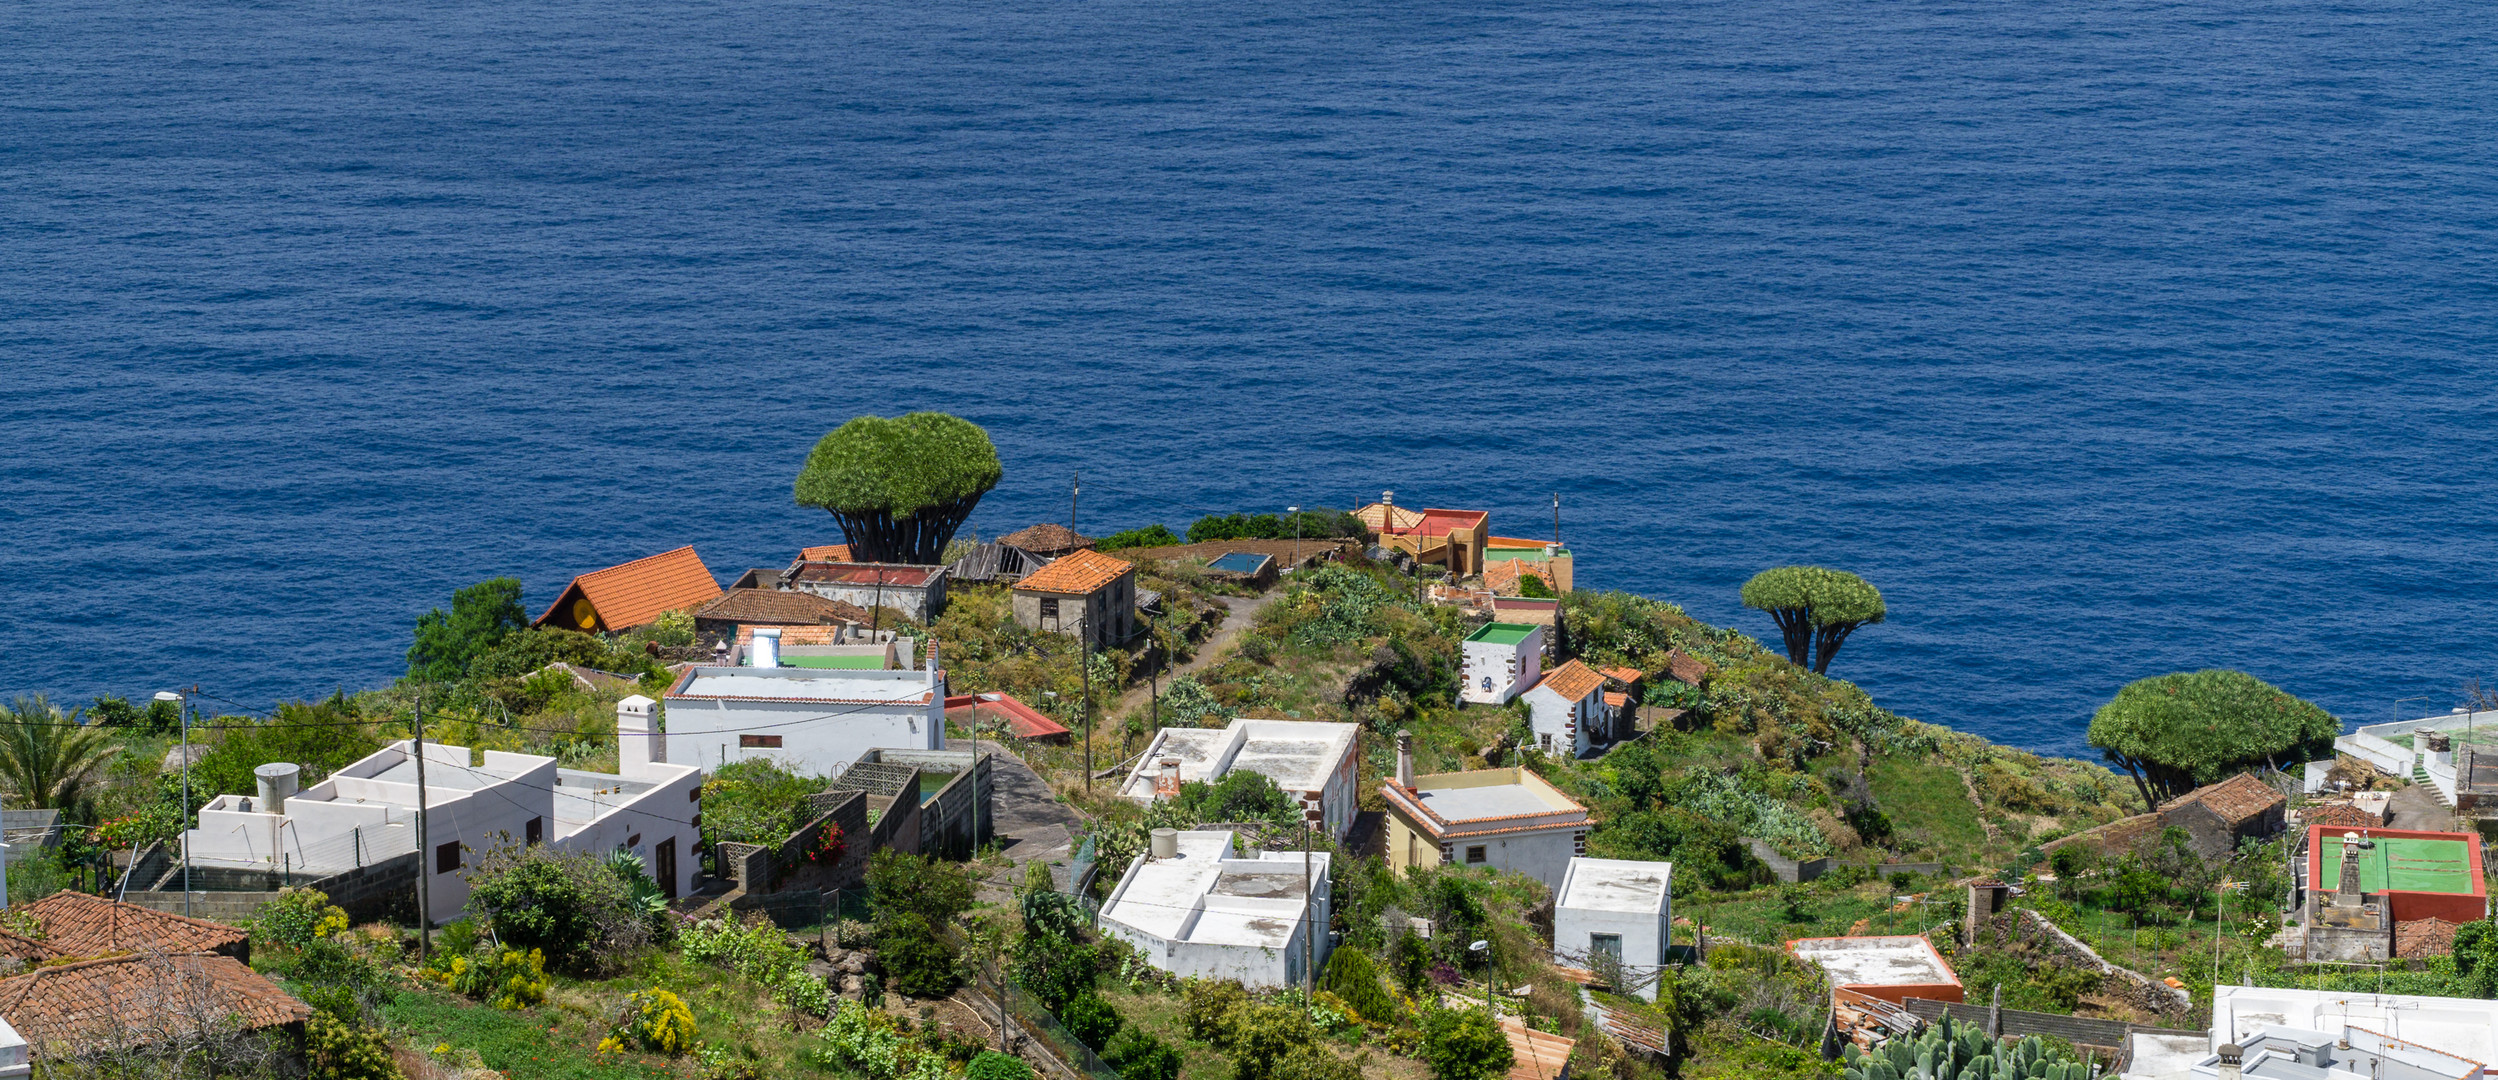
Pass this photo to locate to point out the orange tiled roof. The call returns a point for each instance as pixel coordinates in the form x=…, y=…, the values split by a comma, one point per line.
x=776, y=607
x=2236, y=799
x=139, y=999
x=635, y=593
x=1046, y=538
x=1372, y=515
x=1573, y=681
x=2344, y=816
x=26, y=948
x=2420, y=939
x=76, y=924
x=1616, y=699
x=1077, y=574
x=825, y=553
x=1625, y=675
x=1506, y=577
x=1684, y=667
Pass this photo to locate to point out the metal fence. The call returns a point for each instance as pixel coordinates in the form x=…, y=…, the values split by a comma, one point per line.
x=1045, y=1028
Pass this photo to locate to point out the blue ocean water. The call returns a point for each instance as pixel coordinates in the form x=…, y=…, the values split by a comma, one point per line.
x=2108, y=337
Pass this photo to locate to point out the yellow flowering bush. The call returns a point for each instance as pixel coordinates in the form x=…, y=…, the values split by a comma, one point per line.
x=654, y=1020
x=299, y=917
x=509, y=979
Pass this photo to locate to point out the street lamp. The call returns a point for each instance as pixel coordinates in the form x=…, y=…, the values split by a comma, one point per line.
x=184, y=841
x=1485, y=947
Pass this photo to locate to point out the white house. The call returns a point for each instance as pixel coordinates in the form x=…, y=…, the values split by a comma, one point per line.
x=1619, y=908
x=1501, y=660
x=1567, y=710
x=1507, y=819
x=1195, y=909
x=367, y=812
x=1310, y=759
x=2465, y=1029
x=814, y=720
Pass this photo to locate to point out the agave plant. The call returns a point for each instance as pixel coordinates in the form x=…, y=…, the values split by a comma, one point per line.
x=1956, y=1051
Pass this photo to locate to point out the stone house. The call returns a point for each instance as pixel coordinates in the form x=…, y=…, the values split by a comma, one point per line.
x=1088, y=595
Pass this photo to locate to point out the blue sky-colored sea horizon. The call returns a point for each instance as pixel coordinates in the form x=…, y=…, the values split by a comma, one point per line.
x=2108, y=339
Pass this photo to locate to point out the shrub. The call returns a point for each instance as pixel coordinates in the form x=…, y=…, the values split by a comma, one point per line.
x=860, y=1040
x=935, y=891
x=1187, y=703
x=761, y=953
x=1091, y=1020
x=1139, y=1056
x=1207, y=1008
x=298, y=917
x=1242, y=795
x=335, y=1049
x=571, y=907
x=1149, y=536
x=654, y=1020
x=1052, y=962
x=917, y=961
x=991, y=1065
x=341, y=983
x=1464, y=1044
x=1351, y=976
x=755, y=802
x=508, y=979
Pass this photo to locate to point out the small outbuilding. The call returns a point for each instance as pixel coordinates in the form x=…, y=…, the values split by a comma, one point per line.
x=632, y=594
x=2218, y=816
x=1502, y=659
x=1619, y=910
x=1315, y=761
x=918, y=592
x=1568, y=712
x=1049, y=540
x=1088, y=595
x=1193, y=908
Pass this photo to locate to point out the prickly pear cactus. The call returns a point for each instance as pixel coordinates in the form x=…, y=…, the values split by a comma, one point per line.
x=1949, y=1050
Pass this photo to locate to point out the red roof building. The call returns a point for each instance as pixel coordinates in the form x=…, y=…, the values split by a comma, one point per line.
x=632, y=594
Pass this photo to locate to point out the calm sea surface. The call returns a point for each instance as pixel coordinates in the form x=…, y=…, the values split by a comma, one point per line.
x=2108, y=337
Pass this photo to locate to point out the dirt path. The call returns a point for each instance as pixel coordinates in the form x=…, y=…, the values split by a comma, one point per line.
x=1244, y=614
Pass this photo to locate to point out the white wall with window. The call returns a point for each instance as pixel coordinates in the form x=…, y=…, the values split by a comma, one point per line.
x=1617, y=912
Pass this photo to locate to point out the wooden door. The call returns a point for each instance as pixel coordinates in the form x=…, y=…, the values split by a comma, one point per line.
x=666, y=860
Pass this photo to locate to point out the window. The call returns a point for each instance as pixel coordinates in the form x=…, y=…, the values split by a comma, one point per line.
x=1049, y=611
x=535, y=834
x=1474, y=855
x=696, y=824
x=1544, y=740
x=1605, y=945
x=446, y=857
x=753, y=742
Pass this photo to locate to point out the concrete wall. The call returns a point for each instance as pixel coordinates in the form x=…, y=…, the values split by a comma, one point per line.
x=1543, y=855
x=817, y=738
x=1644, y=938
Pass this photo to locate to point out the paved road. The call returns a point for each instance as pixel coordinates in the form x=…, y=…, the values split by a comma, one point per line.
x=1030, y=824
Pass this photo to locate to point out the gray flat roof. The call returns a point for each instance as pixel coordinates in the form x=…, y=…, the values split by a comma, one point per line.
x=1468, y=803
x=1876, y=961
x=1616, y=885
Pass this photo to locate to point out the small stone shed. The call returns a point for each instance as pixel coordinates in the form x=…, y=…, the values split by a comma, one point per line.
x=1089, y=595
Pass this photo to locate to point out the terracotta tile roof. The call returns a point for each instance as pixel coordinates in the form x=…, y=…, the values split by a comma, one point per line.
x=1047, y=538
x=1507, y=577
x=76, y=924
x=1573, y=681
x=1079, y=574
x=1625, y=675
x=2342, y=816
x=775, y=607
x=825, y=553
x=636, y=593
x=1615, y=699
x=1371, y=516
x=1535, y=1055
x=2236, y=799
x=1684, y=667
x=1024, y=720
x=851, y=573
x=141, y=998
x=26, y=948
x=2423, y=938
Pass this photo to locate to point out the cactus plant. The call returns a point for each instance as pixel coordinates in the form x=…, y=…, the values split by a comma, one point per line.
x=1949, y=1050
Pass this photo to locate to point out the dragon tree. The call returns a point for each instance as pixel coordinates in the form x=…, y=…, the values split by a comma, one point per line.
x=900, y=487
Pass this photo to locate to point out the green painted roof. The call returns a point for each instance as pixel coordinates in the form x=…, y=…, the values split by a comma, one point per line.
x=1501, y=633
x=836, y=663
x=2402, y=864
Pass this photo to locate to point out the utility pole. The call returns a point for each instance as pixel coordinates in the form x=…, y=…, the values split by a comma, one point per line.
x=1556, y=519
x=1084, y=659
x=424, y=853
x=1075, y=489
x=1309, y=904
x=1295, y=511
x=182, y=714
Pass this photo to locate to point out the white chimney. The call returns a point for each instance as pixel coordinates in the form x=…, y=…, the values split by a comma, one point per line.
x=1405, y=760
x=767, y=647
x=278, y=780
x=639, y=744
x=1166, y=843
x=932, y=661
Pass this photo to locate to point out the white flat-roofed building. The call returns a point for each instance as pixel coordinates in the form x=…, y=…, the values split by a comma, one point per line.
x=815, y=721
x=2456, y=1029
x=367, y=812
x=1207, y=913
x=1619, y=908
x=1501, y=660
x=1312, y=760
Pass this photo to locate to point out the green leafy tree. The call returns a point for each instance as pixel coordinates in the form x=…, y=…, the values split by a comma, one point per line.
x=48, y=758
x=1091, y=1020
x=1533, y=587
x=2174, y=733
x=320, y=737
x=1052, y=961
x=1815, y=607
x=900, y=487
x=158, y=718
x=2476, y=958
x=481, y=615
x=917, y=959
x=1139, y=1056
x=1351, y=975
x=1464, y=1044
x=571, y=907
